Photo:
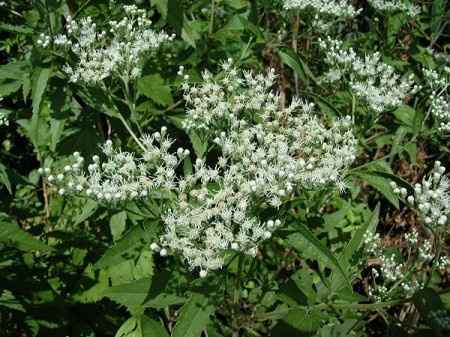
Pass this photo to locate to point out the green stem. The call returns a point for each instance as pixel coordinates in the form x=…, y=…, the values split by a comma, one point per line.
x=136, y=139
x=211, y=20
x=295, y=30
x=49, y=23
x=82, y=7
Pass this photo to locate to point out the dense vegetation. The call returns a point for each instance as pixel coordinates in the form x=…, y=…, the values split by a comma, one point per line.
x=224, y=168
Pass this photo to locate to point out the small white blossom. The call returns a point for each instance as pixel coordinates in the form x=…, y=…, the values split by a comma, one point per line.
x=338, y=8
x=395, y=6
x=119, y=50
x=438, y=83
x=432, y=198
x=368, y=77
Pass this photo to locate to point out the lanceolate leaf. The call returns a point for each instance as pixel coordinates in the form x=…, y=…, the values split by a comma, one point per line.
x=194, y=317
x=358, y=238
x=130, y=294
x=11, y=233
x=39, y=85
x=381, y=184
x=317, y=247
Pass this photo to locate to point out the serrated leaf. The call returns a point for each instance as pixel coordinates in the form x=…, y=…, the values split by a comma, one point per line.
x=4, y=179
x=128, y=247
x=198, y=144
x=13, y=70
x=9, y=87
x=153, y=87
x=39, y=84
x=88, y=209
x=152, y=328
x=409, y=117
x=194, y=317
x=319, y=250
x=129, y=294
x=161, y=5
x=128, y=328
x=15, y=29
x=11, y=233
x=95, y=292
x=117, y=224
x=8, y=300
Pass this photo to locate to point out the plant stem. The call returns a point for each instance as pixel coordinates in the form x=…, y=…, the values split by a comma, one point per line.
x=295, y=29
x=236, y=296
x=136, y=139
x=211, y=20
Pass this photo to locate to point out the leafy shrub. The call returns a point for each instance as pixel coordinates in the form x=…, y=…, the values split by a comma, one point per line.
x=224, y=168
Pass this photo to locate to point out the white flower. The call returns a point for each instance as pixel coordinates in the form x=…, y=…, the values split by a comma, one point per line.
x=369, y=78
x=339, y=8
x=432, y=197
x=395, y=6
x=267, y=155
x=438, y=84
x=120, y=50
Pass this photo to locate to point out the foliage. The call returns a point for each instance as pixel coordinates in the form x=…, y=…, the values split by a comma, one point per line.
x=224, y=168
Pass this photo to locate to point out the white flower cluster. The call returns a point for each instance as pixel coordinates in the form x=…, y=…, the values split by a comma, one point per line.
x=3, y=115
x=393, y=271
x=395, y=6
x=440, y=96
x=431, y=198
x=121, y=176
x=338, y=8
x=369, y=78
x=267, y=154
x=119, y=51
x=443, y=262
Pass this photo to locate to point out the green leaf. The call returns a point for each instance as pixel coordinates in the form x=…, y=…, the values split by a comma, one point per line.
x=189, y=34
x=128, y=328
x=39, y=84
x=15, y=29
x=8, y=300
x=198, y=144
x=117, y=224
x=9, y=87
x=303, y=320
x=128, y=247
x=409, y=117
x=162, y=6
x=437, y=18
x=175, y=14
x=4, y=179
x=11, y=233
x=358, y=237
x=88, y=209
x=142, y=326
x=95, y=292
x=317, y=249
x=153, y=87
x=152, y=328
x=381, y=184
x=295, y=62
x=57, y=128
x=13, y=71
x=194, y=317
x=144, y=265
x=129, y=294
